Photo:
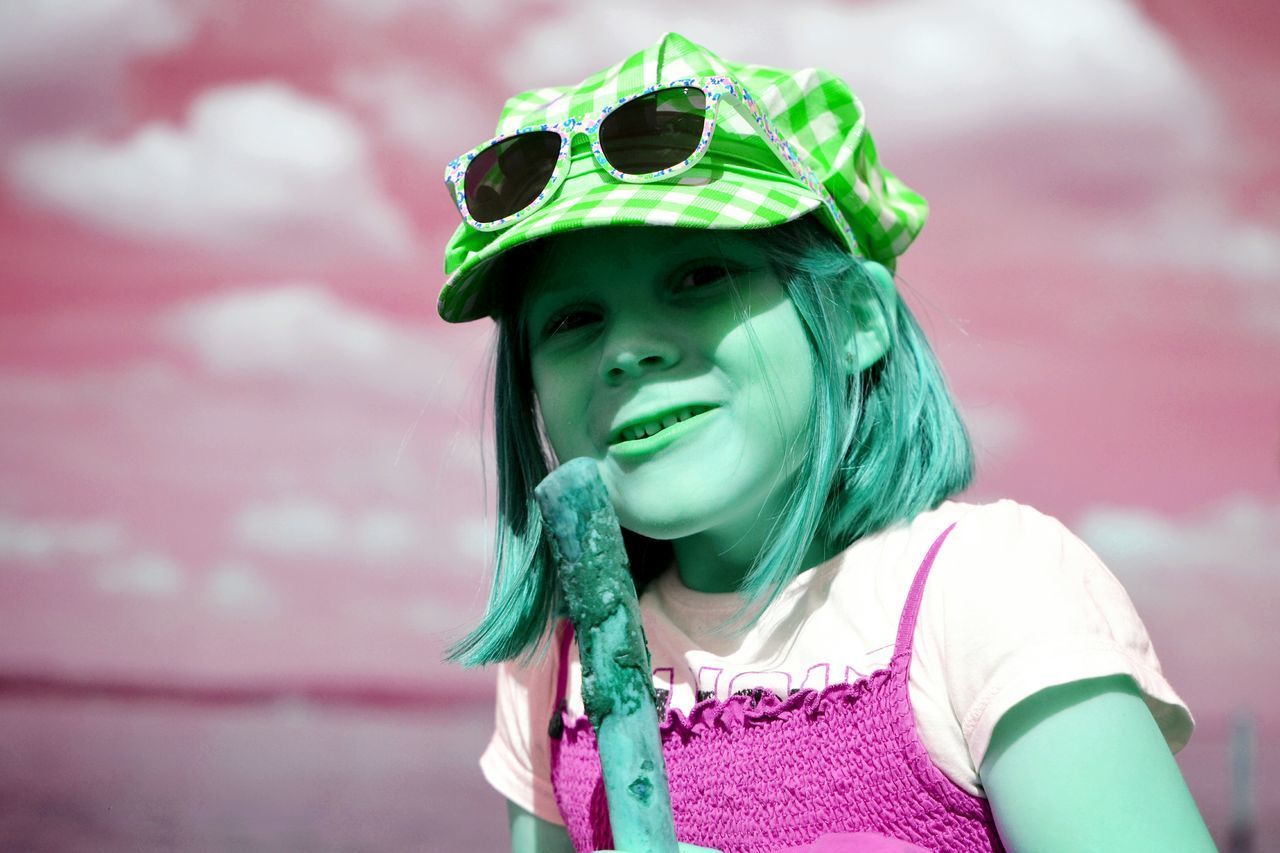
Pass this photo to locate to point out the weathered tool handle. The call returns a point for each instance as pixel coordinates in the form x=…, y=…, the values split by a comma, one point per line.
x=617, y=685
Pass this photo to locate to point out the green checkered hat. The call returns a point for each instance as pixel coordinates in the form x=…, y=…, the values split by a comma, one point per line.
x=740, y=183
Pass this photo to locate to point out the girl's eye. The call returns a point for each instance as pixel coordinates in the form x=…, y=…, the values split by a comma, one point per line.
x=702, y=276
x=567, y=321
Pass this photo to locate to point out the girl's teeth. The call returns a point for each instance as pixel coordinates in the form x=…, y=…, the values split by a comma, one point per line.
x=638, y=432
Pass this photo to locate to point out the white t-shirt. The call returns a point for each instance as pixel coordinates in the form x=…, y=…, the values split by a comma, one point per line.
x=1013, y=604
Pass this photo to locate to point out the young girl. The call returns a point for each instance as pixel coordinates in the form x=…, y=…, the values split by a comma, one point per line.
x=689, y=264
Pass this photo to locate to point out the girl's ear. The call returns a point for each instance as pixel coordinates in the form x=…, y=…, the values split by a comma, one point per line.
x=875, y=313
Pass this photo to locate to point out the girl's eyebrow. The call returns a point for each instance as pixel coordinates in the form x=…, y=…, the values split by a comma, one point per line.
x=542, y=304
x=550, y=296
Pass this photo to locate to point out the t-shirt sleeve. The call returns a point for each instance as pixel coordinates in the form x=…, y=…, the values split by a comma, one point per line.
x=1034, y=607
x=517, y=761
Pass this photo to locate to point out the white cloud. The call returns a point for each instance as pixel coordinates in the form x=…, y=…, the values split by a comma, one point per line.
x=997, y=430
x=384, y=534
x=301, y=331
x=1195, y=231
x=475, y=12
x=435, y=616
x=473, y=539
x=147, y=575
x=374, y=11
x=936, y=66
x=43, y=38
x=928, y=70
x=130, y=385
x=1237, y=535
x=31, y=540
x=312, y=529
x=429, y=112
x=258, y=167
x=236, y=587
x=297, y=527
x=61, y=60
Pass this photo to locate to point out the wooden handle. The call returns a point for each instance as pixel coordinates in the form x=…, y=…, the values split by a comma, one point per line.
x=617, y=684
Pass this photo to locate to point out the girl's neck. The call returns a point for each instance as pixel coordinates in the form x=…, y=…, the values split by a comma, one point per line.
x=710, y=563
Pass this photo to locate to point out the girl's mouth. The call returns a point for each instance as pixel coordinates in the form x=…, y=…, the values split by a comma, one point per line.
x=639, y=441
x=639, y=431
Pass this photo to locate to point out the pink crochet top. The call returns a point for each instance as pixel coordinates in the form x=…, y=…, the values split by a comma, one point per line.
x=759, y=773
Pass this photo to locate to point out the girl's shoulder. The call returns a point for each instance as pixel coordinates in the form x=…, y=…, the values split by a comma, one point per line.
x=1008, y=554
x=1000, y=523
x=985, y=544
x=991, y=524
x=1002, y=544
x=977, y=533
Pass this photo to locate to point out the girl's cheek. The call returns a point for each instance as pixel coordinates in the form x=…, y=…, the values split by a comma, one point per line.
x=562, y=404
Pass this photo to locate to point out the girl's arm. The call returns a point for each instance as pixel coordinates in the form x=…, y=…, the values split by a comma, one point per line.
x=1083, y=766
x=532, y=834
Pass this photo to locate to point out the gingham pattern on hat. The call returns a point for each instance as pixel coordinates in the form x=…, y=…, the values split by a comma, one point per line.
x=739, y=184
x=816, y=107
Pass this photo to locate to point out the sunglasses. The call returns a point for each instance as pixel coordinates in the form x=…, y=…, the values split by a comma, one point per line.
x=653, y=135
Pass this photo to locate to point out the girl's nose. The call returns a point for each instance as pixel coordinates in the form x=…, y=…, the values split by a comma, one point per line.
x=633, y=350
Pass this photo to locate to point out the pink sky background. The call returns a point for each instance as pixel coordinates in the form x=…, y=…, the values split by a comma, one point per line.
x=238, y=448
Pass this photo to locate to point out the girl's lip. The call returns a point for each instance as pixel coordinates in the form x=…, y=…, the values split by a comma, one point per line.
x=615, y=437
x=642, y=447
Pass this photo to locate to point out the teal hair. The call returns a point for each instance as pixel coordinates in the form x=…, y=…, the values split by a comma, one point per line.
x=885, y=444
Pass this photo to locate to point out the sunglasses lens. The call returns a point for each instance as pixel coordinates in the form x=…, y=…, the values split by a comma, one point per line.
x=506, y=177
x=655, y=131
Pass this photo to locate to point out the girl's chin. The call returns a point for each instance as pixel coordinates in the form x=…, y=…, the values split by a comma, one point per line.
x=669, y=518
x=664, y=529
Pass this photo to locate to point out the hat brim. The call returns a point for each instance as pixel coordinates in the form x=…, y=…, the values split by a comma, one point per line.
x=720, y=192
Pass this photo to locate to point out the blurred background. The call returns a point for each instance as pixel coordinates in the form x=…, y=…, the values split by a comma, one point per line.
x=242, y=463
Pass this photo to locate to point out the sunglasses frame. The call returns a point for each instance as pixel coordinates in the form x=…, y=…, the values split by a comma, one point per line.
x=715, y=89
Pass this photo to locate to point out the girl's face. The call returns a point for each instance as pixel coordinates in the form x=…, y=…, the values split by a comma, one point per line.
x=685, y=334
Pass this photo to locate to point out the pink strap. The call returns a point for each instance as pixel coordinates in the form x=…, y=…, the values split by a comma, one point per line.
x=907, y=623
